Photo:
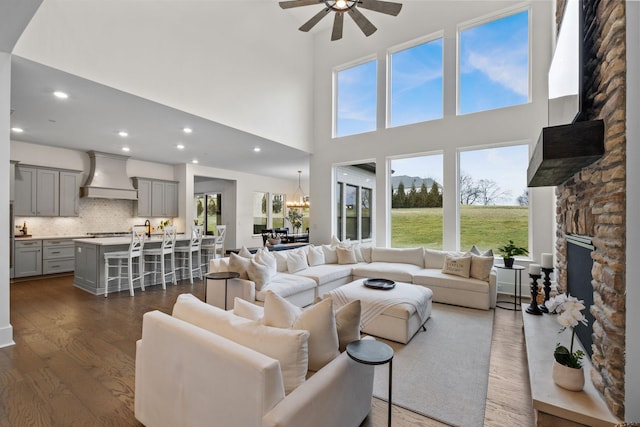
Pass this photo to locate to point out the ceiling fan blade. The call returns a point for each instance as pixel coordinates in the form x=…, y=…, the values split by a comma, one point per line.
x=298, y=3
x=365, y=25
x=338, y=21
x=390, y=8
x=313, y=21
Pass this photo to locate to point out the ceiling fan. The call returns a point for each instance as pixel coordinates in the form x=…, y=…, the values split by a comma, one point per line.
x=340, y=7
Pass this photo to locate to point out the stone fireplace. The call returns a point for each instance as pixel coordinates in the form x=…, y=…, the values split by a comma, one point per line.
x=593, y=202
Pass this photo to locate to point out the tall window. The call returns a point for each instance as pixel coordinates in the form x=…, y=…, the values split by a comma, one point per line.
x=354, y=201
x=277, y=210
x=415, y=84
x=494, y=64
x=355, y=109
x=208, y=211
x=339, y=199
x=416, y=202
x=366, y=197
x=351, y=209
x=259, y=212
x=494, y=202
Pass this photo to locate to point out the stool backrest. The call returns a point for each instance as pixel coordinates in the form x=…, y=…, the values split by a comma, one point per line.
x=137, y=241
x=169, y=238
x=221, y=231
x=196, y=237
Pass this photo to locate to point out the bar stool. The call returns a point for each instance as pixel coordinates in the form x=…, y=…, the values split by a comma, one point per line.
x=216, y=247
x=135, y=251
x=158, y=254
x=185, y=252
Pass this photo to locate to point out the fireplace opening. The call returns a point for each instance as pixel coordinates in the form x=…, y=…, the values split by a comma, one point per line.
x=579, y=264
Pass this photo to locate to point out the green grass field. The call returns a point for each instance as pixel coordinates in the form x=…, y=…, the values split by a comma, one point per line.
x=487, y=227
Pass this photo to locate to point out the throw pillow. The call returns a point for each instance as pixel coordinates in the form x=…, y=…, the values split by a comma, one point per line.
x=334, y=240
x=346, y=255
x=315, y=256
x=259, y=273
x=245, y=253
x=247, y=310
x=296, y=261
x=458, y=266
x=348, y=323
x=481, y=267
x=318, y=319
x=475, y=251
x=281, y=261
x=366, y=253
x=330, y=255
x=239, y=265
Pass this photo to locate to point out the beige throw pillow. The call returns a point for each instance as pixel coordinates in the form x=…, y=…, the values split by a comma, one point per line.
x=346, y=255
x=318, y=319
x=330, y=255
x=259, y=273
x=458, y=266
x=348, y=323
x=239, y=265
x=481, y=267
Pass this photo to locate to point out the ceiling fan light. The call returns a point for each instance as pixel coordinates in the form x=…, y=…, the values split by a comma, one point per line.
x=341, y=4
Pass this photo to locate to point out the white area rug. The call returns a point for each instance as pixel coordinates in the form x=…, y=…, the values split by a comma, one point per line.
x=443, y=373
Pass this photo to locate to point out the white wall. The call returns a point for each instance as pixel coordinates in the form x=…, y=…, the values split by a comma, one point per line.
x=6, y=330
x=520, y=124
x=632, y=366
x=202, y=57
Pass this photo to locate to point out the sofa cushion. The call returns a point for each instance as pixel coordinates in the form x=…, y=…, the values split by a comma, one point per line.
x=285, y=284
x=238, y=264
x=281, y=261
x=247, y=310
x=261, y=269
x=346, y=255
x=481, y=267
x=434, y=258
x=405, y=256
x=431, y=277
x=318, y=319
x=330, y=255
x=348, y=323
x=386, y=270
x=315, y=256
x=296, y=261
x=288, y=346
x=326, y=273
x=458, y=266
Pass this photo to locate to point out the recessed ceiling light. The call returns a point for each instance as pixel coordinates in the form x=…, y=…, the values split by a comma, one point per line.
x=194, y=161
x=257, y=149
x=127, y=149
x=123, y=134
x=180, y=147
x=187, y=130
x=17, y=130
x=60, y=95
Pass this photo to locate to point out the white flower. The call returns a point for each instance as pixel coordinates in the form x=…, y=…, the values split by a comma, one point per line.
x=570, y=309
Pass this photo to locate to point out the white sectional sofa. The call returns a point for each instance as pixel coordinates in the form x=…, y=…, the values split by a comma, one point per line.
x=415, y=265
x=203, y=366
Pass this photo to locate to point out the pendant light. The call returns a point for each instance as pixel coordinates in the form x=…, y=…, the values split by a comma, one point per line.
x=299, y=200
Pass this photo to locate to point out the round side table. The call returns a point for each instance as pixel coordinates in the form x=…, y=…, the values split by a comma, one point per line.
x=222, y=275
x=371, y=352
x=517, y=288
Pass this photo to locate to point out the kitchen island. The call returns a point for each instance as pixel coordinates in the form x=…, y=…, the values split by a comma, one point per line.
x=89, y=262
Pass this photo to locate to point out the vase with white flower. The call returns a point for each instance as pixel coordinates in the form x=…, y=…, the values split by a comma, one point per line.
x=567, y=365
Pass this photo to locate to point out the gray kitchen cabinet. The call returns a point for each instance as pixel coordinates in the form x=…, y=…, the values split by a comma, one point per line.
x=87, y=266
x=156, y=198
x=24, y=202
x=57, y=256
x=69, y=193
x=48, y=192
x=28, y=258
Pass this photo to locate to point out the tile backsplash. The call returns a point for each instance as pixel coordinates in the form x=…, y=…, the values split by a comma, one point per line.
x=96, y=215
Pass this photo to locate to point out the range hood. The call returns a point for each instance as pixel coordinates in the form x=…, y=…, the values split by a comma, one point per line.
x=562, y=151
x=108, y=178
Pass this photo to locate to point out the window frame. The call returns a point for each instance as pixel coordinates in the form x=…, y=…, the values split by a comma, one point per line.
x=388, y=87
x=485, y=20
x=270, y=197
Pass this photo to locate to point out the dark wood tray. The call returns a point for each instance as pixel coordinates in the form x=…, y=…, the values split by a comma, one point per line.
x=382, y=284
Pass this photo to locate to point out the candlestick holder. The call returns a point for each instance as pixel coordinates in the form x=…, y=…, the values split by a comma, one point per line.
x=547, y=288
x=533, y=306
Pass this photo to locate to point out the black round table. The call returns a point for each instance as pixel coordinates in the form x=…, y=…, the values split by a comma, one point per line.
x=372, y=352
x=221, y=275
x=517, y=288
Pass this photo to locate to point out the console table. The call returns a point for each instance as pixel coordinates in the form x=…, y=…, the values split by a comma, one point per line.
x=555, y=406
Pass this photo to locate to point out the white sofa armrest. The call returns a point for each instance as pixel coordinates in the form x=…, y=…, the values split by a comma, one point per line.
x=337, y=395
x=188, y=376
x=241, y=288
x=493, y=288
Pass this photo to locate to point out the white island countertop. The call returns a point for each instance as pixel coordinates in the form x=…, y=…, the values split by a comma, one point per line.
x=115, y=241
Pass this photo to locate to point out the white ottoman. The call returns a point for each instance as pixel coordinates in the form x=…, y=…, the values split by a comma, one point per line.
x=395, y=314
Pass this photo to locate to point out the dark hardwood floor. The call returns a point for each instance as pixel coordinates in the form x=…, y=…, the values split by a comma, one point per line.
x=74, y=359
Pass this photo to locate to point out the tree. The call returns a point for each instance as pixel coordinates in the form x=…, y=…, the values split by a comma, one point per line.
x=401, y=197
x=523, y=199
x=489, y=192
x=468, y=190
x=434, y=198
x=412, y=198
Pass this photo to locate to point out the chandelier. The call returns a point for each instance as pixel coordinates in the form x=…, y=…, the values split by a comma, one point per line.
x=299, y=201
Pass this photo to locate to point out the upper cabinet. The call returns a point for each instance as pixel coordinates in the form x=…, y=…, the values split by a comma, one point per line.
x=69, y=193
x=156, y=198
x=45, y=192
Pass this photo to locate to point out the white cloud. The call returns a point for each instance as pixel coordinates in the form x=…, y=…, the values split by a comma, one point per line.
x=509, y=69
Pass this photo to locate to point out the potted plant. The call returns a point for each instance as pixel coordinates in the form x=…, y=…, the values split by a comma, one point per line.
x=567, y=364
x=295, y=218
x=509, y=250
